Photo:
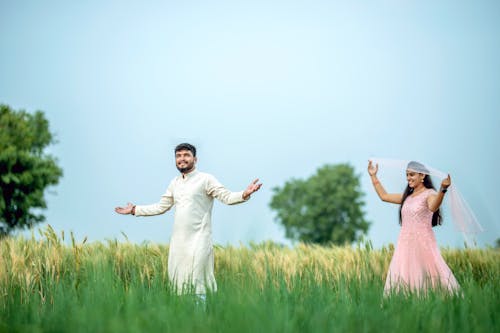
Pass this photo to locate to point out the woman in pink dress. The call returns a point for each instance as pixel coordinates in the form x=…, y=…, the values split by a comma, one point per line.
x=417, y=264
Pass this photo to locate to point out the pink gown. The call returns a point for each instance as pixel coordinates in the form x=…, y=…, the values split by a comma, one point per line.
x=417, y=264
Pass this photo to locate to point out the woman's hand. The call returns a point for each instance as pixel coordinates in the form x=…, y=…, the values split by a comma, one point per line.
x=446, y=182
x=372, y=170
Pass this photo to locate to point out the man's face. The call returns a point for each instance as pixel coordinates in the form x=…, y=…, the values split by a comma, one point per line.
x=184, y=161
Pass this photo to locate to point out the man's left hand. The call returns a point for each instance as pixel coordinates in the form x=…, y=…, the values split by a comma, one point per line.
x=253, y=187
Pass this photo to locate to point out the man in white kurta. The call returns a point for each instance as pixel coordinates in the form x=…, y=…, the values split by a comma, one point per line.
x=191, y=257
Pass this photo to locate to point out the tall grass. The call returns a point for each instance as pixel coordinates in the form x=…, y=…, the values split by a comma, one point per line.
x=47, y=286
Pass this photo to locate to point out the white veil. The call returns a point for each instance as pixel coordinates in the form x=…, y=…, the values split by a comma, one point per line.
x=462, y=215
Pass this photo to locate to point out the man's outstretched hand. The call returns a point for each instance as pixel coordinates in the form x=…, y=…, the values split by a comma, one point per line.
x=253, y=187
x=125, y=210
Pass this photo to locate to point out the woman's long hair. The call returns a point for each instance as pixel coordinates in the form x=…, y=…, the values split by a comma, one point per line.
x=436, y=217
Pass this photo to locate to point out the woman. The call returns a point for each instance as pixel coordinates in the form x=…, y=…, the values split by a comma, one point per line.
x=417, y=264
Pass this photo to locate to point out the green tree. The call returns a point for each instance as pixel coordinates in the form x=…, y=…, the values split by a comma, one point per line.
x=25, y=169
x=325, y=208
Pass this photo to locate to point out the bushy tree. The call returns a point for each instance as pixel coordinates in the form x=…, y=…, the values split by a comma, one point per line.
x=325, y=208
x=25, y=169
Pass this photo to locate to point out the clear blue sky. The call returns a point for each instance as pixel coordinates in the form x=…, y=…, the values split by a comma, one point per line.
x=268, y=89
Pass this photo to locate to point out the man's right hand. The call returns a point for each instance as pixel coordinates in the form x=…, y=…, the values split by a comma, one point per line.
x=125, y=210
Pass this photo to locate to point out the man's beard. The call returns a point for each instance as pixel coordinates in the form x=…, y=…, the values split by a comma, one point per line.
x=186, y=169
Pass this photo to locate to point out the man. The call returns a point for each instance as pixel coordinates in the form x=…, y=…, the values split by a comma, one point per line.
x=191, y=257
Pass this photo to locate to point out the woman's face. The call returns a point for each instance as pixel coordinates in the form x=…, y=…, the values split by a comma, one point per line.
x=414, y=178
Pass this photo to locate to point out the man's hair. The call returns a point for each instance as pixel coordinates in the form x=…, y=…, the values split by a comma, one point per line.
x=186, y=146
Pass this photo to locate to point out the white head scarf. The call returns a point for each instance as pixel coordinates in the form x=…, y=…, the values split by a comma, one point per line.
x=462, y=215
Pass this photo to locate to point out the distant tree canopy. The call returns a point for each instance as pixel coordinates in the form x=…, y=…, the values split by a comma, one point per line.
x=325, y=208
x=25, y=170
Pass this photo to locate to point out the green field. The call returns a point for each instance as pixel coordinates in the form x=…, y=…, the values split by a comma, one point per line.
x=47, y=286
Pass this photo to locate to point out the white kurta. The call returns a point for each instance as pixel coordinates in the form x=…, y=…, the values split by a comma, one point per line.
x=191, y=256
